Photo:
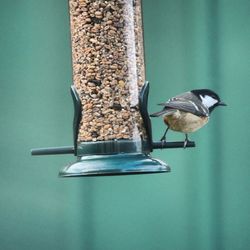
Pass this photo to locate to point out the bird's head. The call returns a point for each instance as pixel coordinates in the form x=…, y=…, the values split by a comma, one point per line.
x=208, y=98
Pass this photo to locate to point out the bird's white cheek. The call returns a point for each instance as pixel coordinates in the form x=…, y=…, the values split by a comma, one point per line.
x=208, y=100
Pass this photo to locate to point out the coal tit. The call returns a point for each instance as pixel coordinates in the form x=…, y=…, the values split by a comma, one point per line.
x=189, y=111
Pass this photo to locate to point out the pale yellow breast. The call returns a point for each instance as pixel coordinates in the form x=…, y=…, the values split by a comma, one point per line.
x=185, y=122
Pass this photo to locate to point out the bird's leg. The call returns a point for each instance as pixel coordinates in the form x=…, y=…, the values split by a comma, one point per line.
x=186, y=141
x=163, y=139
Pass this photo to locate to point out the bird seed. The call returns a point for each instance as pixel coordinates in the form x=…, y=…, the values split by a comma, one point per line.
x=108, y=67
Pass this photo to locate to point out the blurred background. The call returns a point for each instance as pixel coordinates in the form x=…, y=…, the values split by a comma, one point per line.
x=203, y=203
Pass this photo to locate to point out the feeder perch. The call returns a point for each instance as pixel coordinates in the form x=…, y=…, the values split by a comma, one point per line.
x=112, y=132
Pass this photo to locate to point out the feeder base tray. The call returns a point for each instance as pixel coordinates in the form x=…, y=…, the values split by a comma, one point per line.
x=116, y=164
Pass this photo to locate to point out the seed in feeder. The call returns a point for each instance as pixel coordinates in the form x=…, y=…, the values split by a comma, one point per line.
x=98, y=14
x=118, y=25
x=121, y=83
x=109, y=22
x=117, y=106
x=93, y=40
x=96, y=82
x=96, y=19
x=94, y=134
x=125, y=116
x=114, y=66
x=112, y=32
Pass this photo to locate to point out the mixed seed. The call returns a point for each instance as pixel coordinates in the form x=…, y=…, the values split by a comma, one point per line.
x=108, y=67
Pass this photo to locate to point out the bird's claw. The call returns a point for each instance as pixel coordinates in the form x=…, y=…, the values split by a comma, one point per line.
x=163, y=138
x=185, y=144
x=163, y=141
x=186, y=141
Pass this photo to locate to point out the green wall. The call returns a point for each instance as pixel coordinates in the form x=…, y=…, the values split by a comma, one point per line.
x=203, y=203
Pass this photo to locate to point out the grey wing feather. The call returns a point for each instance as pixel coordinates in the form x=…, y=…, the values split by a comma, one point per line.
x=163, y=112
x=186, y=102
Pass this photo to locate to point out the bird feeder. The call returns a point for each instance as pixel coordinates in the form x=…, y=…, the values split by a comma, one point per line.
x=112, y=132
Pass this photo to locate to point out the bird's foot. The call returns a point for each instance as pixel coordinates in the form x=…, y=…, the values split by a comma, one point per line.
x=185, y=144
x=186, y=141
x=163, y=138
x=163, y=141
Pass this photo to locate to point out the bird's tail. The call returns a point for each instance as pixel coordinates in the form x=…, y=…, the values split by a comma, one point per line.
x=162, y=112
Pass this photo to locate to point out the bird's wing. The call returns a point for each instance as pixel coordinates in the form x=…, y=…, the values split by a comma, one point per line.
x=188, y=103
x=164, y=112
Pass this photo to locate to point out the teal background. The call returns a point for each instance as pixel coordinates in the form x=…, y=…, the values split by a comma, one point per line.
x=203, y=203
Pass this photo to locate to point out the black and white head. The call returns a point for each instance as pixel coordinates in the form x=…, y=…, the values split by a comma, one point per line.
x=208, y=98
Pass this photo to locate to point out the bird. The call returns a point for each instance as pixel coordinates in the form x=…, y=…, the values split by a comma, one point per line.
x=189, y=111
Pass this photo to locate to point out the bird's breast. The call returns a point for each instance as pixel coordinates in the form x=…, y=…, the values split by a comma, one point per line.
x=185, y=122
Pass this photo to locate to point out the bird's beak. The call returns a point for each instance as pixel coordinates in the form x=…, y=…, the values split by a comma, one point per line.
x=222, y=104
